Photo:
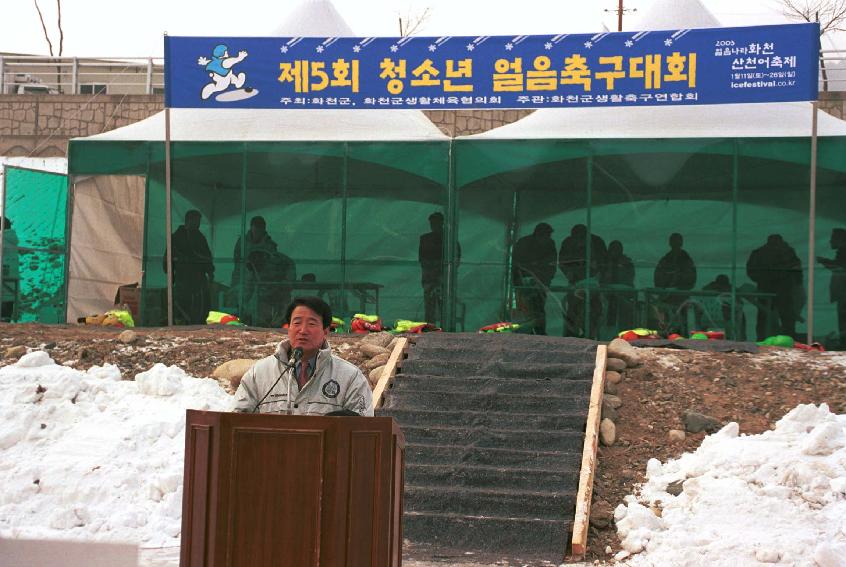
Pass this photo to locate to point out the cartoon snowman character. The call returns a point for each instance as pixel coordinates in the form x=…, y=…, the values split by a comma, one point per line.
x=220, y=71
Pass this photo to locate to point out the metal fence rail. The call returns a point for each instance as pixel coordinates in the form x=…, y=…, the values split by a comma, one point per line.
x=33, y=74
x=833, y=70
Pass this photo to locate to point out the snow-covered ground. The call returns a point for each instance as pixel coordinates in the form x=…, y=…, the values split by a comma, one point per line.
x=86, y=456
x=774, y=498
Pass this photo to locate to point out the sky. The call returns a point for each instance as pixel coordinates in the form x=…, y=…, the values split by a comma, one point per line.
x=82, y=462
x=95, y=28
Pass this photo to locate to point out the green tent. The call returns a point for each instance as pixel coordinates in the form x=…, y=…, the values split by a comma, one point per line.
x=345, y=196
x=724, y=177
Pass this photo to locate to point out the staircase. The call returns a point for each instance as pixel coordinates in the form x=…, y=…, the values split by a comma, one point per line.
x=494, y=426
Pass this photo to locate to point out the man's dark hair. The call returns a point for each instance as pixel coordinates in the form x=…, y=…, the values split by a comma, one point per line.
x=258, y=221
x=315, y=304
x=193, y=213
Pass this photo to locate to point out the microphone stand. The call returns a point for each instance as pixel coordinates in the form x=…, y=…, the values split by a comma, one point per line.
x=296, y=355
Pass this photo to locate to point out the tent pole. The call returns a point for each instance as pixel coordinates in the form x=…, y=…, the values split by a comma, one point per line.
x=2, y=225
x=241, y=266
x=735, y=182
x=68, y=231
x=168, y=250
x=812, y=214
x=344, y=212
x=450, y=239
x=589, y=245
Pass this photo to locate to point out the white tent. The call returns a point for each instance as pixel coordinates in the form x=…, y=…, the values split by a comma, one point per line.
x=764, y=120
x=314, y=18
x=675, y=14
x=268, y=125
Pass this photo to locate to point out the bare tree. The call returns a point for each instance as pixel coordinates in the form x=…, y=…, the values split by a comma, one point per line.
x=829, y=13
x=413, y=22
x=59, y=23
x=47, y=36
x=43, y=26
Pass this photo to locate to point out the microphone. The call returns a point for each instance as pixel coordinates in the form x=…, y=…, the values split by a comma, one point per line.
x=296, y=356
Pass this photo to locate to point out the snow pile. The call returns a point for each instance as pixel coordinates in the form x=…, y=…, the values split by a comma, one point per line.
x=776, y=498
x=86, y=456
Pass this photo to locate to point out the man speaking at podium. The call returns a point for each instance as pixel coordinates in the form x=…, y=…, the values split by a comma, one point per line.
x=303, y=377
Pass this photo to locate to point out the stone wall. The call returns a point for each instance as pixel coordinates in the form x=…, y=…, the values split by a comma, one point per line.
x=464, y=122
x=834, y=103
x=41, y=125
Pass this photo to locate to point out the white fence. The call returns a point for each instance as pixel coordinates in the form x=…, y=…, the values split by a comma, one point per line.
x=32, y=74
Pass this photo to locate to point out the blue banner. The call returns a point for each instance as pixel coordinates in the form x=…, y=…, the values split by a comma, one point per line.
x=689, y=66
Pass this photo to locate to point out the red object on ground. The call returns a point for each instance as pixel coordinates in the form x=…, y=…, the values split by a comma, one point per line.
x=812, y=346
x=227, y=318
x=362, y=326
x=712, y=335
x=630, y=336
x=675, y=336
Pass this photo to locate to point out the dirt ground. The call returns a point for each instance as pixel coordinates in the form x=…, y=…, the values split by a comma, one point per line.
x=754, y=390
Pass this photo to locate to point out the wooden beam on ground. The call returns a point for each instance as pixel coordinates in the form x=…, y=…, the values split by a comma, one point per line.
x=389, y=372
x=583, y=498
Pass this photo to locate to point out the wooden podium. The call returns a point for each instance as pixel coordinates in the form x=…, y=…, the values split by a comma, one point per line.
x=291, y=491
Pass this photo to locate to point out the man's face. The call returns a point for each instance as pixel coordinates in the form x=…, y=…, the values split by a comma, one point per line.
x=257, y=229
x=306, y=331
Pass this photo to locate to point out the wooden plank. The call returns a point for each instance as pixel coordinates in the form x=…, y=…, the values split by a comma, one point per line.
x=389, y=372
x=583, y=498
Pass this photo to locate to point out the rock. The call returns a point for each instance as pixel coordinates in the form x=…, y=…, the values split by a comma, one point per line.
x=611, y=388
x=613, y=401
x=372, y=350
x=376, y=361
x=609, y=412
x=233, y=370
x=613, y=377
x=607, y=432
x=618, y=348
x=615, y=364
x=601, y=515
x=382, y=339
x=676, y=487
x=128, y=337
x=768, y=556
x=375, y=375
x=694, y=422
x=49, y=346
x=676, y=435
x=15, y=352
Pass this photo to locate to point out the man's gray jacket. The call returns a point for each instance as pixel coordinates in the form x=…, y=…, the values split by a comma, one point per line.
x=335, y=385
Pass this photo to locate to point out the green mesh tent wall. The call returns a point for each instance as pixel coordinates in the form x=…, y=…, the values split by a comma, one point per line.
x=348, y=213
x=722, y=177
x=34, y=255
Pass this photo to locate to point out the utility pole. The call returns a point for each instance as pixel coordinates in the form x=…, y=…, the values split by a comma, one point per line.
x=620, y=11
